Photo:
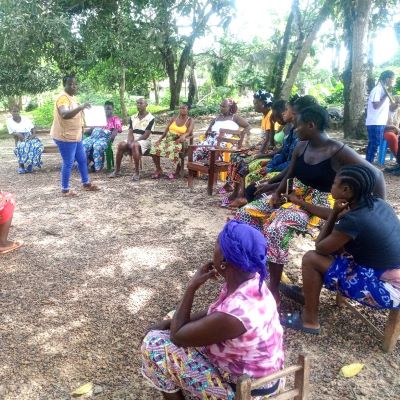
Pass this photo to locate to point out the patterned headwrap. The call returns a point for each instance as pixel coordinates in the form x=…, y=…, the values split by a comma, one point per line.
x=244, y=247
x=232, y=106
x=266, y=97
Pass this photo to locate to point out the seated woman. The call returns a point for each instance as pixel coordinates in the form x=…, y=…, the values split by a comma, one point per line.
x=242, y=162
x=28, y=148
x=7, y=204
x=274, y=170
x=314, y=164
x=227, y=119
x=368, y=230
x=172, y=142
x=96, y=144
x=202, y=355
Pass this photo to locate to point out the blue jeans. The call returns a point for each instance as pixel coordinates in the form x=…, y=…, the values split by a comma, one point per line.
x=375, y=135
x=71, y=151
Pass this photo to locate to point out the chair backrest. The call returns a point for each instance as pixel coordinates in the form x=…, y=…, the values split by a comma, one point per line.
x=235, y=137
x=301, y=382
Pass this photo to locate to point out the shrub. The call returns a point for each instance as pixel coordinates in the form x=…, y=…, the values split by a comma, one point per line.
x=32, y=105
x=43, y=115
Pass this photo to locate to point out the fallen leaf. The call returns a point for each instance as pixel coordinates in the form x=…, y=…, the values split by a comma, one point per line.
x=351, y=370
x=285, y=279
x=87, y=387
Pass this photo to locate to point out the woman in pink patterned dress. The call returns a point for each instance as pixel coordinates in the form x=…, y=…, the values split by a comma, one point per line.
x=7, y=204
x=201, y=356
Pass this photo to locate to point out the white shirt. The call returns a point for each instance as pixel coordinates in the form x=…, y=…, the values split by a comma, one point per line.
x=380, y=115
x=24, y=126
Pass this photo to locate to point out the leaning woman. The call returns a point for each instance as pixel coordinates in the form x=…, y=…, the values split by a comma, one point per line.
x=202, y=355
x=67, y=134
x=172, y=142
x=368, y=230
x=28, y=148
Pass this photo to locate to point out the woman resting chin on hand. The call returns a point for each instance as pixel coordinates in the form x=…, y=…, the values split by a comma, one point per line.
x=203, y=355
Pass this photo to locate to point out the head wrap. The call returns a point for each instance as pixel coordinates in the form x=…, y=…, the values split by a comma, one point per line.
x=232, y=106
x=244, y=247
x=266, y=97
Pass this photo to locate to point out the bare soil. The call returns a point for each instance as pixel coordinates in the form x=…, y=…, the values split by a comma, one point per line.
x=96, y=270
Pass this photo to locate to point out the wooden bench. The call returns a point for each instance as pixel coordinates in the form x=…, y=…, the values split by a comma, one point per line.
x=392, y=327
x=300, y=390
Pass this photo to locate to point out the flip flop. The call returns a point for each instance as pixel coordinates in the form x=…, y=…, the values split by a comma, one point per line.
x=294, y=321
x=21, y=170
x=225, y=202
x=135, y=177
x=91, y=188
x=294, y=292
x=16, y=245
x=171, y=176
x=70, y=193
x=156, y=176
x=29, y=169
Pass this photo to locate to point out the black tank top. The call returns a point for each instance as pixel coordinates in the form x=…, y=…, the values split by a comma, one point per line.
x=319, y=176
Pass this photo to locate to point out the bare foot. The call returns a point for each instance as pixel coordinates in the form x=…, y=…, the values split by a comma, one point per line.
x=114, y=174
x=238, y=203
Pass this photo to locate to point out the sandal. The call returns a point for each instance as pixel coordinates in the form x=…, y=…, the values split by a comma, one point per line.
x=135, y=177
x=89, y=187
x=15, y=246
x=70, y=193
x=294, y=292
x=156, y=176
x=225, y=202
x=21, y=170
x=294, y=321
x=171, y=176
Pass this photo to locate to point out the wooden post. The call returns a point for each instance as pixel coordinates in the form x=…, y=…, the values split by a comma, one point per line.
x=243, y=388
x=392, y=331
x=302, y=378
x=211, y=173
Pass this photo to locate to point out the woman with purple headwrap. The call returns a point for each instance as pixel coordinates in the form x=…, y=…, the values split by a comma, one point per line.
x=202, y=355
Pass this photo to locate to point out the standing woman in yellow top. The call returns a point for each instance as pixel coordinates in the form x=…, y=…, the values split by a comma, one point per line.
x=172, y=142
x=67, y=134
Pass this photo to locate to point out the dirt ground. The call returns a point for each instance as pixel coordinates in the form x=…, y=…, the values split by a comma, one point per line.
x=96, y=270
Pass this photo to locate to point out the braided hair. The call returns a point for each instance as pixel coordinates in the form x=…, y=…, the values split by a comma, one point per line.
x=361, y=180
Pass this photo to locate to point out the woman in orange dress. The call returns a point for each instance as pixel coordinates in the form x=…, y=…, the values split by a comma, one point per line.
x=7, y=204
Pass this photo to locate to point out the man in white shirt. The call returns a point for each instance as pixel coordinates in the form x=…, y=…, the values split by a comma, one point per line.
x=378, y=112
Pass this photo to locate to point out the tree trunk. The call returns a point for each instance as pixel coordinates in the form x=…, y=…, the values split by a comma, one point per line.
x=355, y=124
x=277, y=73
x=193, y=94
x=304, y=48
x=156, y=92
x=122, y=85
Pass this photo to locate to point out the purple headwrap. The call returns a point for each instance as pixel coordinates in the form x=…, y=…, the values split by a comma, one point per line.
x=245, y=247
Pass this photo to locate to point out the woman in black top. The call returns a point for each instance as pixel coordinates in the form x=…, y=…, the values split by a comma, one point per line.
x=313, y=166
x=368, y=230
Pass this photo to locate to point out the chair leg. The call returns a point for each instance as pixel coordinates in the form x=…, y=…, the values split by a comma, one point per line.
x=392, y=331
x=210, y=185
x=190, y=178
x=302, y=378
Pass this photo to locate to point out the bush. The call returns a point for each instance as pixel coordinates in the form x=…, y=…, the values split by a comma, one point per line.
x=43, y=115
x=32, y=105
x=336, y=97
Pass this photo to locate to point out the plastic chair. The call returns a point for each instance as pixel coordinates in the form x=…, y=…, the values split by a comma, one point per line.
x=382, y=150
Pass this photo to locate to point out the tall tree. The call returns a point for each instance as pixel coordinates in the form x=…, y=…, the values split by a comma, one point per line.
x=307, y=24
x=354, y=120
x=174, y=47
